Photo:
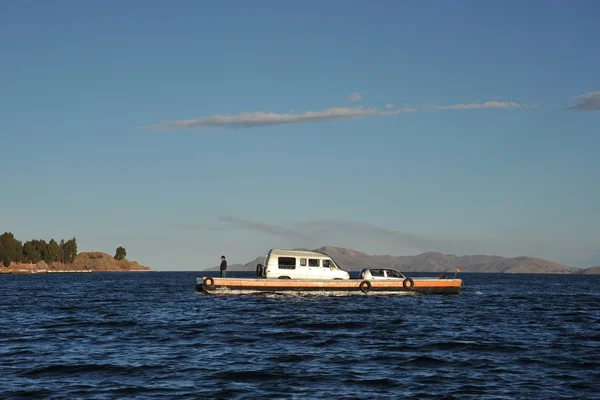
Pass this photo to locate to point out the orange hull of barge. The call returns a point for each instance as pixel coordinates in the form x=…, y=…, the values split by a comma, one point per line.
x=417, y=285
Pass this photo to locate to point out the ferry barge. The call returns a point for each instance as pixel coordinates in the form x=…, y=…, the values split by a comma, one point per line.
x=294, y=271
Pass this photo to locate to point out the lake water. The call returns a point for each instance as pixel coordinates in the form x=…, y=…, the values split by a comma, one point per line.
x=149, y=335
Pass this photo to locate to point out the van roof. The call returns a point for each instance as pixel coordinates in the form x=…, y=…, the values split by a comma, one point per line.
x=297, y=253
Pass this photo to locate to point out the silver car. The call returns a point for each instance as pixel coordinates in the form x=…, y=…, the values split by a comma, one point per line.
x=370, y=274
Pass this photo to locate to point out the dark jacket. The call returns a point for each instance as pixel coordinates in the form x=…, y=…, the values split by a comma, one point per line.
x=223, y=265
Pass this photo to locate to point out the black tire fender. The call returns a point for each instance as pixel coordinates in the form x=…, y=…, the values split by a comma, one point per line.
x=209, y=283
x=365, y=286
x=408, y=283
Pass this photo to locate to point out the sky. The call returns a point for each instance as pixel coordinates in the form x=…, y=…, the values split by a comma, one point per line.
x=187, y=130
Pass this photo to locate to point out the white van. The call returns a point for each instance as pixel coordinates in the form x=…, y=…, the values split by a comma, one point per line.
x=300, y=264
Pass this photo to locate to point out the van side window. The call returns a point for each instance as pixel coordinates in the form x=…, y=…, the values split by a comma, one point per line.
x=287, y=262
x=303, y=262
x=314, y=262
x=327, y=264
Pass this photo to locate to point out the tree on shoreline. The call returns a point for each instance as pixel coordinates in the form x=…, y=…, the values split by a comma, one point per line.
x=10, y=249
x=121, y=253
x=31, y=252
x=34, y=251
x=70, y=251
x=61, y=255
x=53, y=251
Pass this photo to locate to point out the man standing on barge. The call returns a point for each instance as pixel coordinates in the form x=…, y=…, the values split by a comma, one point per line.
x=223, y=267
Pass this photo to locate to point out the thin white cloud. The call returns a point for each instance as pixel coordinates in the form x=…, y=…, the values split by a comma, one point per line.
x=354, y=96
x=586, y=102
x=476, y=106
x=389, y=106
x=259, y=118
x=254, y=119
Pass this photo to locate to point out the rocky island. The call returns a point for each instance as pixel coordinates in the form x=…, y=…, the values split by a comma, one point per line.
x=39, y=256
x=84, y=262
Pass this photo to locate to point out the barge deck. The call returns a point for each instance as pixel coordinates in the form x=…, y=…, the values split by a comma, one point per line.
x=214, y=285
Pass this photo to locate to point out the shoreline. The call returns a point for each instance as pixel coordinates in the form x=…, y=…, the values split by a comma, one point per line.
x=84, y=262
x=28, y=272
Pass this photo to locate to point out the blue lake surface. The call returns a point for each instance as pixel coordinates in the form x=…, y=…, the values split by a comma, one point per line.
x=150, y=335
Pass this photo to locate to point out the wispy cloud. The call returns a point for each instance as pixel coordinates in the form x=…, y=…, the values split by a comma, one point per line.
x=270, y=229
x=586, y=102
x=312, y=229
x=317, y=232
x=354, y=96
x=254, y=119
x=259, y=118
x=389, y=106
x=329, y=227
x=476, y=106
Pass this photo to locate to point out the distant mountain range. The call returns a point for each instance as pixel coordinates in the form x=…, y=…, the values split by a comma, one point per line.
x=352, y=260
x=590, y=271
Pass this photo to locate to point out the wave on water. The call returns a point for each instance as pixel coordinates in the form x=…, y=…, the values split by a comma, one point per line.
x=152, y=336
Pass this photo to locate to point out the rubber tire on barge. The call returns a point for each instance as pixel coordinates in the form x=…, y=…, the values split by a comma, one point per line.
x=365, y=286
x=209, y=283
x=408, y=284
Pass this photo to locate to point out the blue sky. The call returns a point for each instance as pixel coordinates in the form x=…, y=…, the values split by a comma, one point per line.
x=187, y=130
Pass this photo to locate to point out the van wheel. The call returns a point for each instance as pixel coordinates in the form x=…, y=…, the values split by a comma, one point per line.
x=284, y=277
x=408, y=283
x=365, y=286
